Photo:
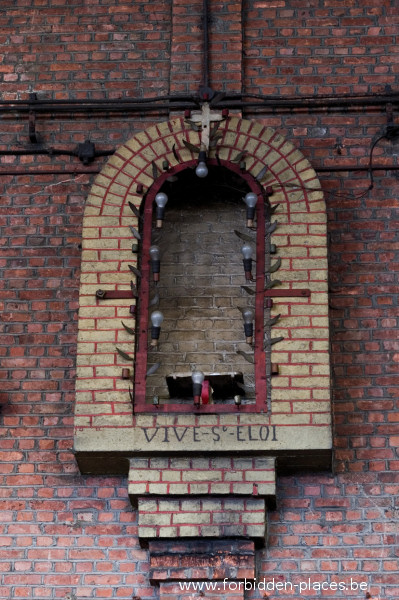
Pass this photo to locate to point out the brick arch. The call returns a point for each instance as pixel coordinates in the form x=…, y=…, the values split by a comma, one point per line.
x=102, y=399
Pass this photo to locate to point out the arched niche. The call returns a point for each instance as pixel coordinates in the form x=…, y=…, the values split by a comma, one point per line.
x=298, y=399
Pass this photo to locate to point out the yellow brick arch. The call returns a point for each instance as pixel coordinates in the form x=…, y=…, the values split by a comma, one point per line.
x=302, y=387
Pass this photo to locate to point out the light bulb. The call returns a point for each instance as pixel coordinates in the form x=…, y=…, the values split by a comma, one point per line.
x=154, y=253
x=197, y=379
x=247, y=255
x=250, y=200
x=246, y=251
x=201, y=170
x=248, y=316
x=160, y=200
x=156, y=322
x=156, y=318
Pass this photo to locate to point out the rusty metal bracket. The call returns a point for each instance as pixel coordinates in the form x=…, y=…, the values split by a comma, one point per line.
x=114, y=294
x=299, y=293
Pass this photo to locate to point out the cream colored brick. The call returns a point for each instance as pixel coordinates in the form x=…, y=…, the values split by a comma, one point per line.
x=82, y=372
x=308, y=240
x=315, y=217
x=188, y=531
x=202, y=475
x=113, y=420
x=101, y=312
x=86, y=324
x=290, y=345
x=96, y=194
x=178, y=488
x=158, y=488
x=82, y=421
x=318, y=252
x=92, y=211
x=283, y=407
x=322, y=394
x=168, y=475
x=294, y=419
x=321, y=346
x=168, y=532
x=282, y=394
x=100, y=243
x=87, y=278
x=110, y=396
x=90, y=232
x=312, y=382
x=110, y=210
x=290, y=229
x=309, y=309
x=108, y=371
x=101, y=180
x=321, y=229
x=144, y=475
x=310, y=357
x=191, y=517
x=86, y=348
x=324, y=419
x=299, y=407
x=83, y=397
x=149, y=532
x=121, y=278
x=211, y=531
x=291, y=369
x=321, y=369
x=92, y=384
x=158, y=519
x=116, y=232
x=108, y=323
x=93, y=409
x=314, y=332
x=115, y=255
x=281, y=382
x=96, y=336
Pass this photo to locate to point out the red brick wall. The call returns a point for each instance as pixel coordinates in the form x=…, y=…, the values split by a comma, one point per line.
x=62, y=533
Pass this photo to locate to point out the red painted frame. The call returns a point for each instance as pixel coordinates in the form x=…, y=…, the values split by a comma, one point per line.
x=140, y=404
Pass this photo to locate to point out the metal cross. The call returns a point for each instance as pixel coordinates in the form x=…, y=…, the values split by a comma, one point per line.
x=205, y=118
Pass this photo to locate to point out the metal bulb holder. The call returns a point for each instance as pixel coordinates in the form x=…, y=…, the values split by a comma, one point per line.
x=202, y=170
x=155, y=262
x=156, y=322
x=247, y=256
x=250, y=200
x=160, y=200
x=248, y=316
x=198, y=379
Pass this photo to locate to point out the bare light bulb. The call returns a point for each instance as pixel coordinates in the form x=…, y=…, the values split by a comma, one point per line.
x=201, y=170
x=156, y=322
x=154, y=253
x=248, y=316
x=250, y=200
x=247, y=256
x=160, y=200
x=197, y=378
